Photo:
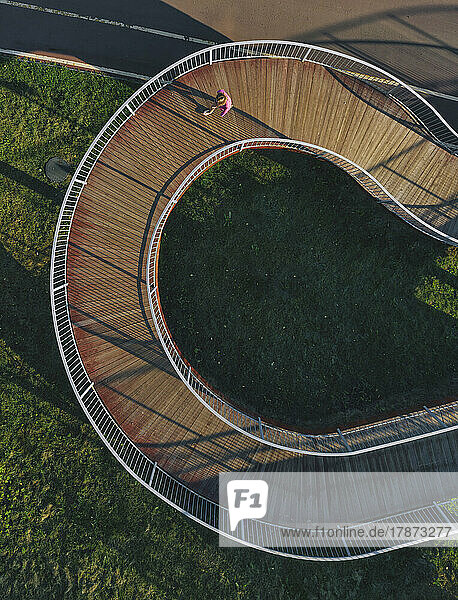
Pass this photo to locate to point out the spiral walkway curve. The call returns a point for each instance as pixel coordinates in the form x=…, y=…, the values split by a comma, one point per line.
x=155, y=414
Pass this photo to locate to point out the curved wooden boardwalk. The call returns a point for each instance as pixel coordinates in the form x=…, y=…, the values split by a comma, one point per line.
x=128, y=189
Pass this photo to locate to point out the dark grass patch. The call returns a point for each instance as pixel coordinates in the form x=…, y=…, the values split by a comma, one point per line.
x=296, y=295
x=73, y=523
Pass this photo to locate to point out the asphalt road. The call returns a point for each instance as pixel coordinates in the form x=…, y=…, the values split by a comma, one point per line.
x=418, y=44
x=98, y=43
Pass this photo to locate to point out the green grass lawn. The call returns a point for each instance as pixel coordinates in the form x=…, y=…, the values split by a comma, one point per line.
x=73, y=523
x=296, y=295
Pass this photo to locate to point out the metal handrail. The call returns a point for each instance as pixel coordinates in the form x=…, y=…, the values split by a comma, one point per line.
x=125, y=451
x=202, y=510
x=343, y=442
x=424, y=112
x=215, y=516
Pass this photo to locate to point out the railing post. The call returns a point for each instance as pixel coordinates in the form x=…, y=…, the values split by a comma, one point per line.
x=211, y=56
x=87, y=390
x=347, y=550
x=152, y=474
x=345, y=443
x=304, y=58
x=59, y=287
x=260, y=428
x=439, y=509
x=434, y=416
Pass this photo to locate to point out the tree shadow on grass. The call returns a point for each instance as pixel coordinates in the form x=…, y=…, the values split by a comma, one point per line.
x=26, y=327
x=55, y=108
x=17, y=87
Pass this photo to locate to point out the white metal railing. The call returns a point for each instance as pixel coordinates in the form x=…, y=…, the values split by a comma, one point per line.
x=140, y=466
x=343, y=442
x=426, y=114
x=256, y=533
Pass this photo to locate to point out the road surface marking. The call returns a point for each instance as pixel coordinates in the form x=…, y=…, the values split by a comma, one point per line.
x=438, y=94
x=390, y=82
x=64, y=13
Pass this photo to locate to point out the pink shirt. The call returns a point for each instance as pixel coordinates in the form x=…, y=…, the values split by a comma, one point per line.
x=225, y=107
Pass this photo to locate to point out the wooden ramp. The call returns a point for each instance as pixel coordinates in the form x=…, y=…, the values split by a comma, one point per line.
x=128, y=189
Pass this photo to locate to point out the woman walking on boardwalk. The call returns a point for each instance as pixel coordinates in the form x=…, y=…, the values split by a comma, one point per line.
x=223, y=101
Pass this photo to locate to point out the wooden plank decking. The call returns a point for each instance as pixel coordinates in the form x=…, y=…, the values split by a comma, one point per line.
x=127, y=191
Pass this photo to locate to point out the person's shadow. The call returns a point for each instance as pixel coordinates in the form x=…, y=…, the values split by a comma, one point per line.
x=195, y=96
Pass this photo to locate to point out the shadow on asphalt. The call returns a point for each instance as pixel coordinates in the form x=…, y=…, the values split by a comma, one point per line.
x=102, y=44
x=417, y=44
